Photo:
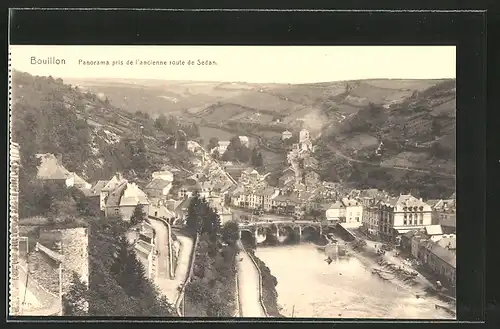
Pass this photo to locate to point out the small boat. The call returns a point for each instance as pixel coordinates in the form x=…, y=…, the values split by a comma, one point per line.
x=385, y=275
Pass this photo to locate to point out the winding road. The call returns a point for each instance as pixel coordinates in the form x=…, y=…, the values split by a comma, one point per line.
x=170, y=287
x=248, y=287
x=343, y=156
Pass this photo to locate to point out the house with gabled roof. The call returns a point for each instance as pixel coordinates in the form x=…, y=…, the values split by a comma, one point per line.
x=123, y=199
x=440, y=260
x=158, y=188
x=52, y=169
x=108, y=188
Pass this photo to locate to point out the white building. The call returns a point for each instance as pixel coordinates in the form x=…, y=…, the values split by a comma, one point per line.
x=165, y=175
x=131, y=197
x=304, y=135
x=244, y=141
x=353, y=211
x=402, y=214
x=193, y=146
x=336, y=211
x=223, y=146
x=286, y=135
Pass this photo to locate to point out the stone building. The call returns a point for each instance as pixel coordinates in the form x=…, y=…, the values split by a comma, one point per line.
x=402, y=214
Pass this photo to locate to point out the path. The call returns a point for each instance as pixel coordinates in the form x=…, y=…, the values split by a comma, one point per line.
x=340, y=155
x=184, y=261
x=248, y=287
x=170, y=287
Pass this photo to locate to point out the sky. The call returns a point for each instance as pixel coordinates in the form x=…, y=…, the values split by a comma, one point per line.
x=253, y=64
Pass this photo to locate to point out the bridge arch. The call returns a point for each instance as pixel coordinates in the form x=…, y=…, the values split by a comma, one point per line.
x=310, y=233
x=247, y=237
x=288, y=234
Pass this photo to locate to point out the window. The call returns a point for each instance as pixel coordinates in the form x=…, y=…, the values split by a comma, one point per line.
x=405, y=222
x=421, y=221
x=116, y=211
x=411, y=221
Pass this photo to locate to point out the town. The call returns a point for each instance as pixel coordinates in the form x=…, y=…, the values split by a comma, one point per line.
x=405, y=234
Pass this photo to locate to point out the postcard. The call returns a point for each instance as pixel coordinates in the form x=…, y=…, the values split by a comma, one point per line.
x=233, y=181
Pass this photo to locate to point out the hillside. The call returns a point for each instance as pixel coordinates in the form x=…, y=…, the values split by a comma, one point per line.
x=414, y=119
x=418, y=149
x=93, y=136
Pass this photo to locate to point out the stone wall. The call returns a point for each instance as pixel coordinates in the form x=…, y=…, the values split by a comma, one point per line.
x=75, y=249
x=44, y=270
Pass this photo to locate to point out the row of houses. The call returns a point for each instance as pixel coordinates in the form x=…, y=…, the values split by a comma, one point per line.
x=433, y=248
x=389, y=217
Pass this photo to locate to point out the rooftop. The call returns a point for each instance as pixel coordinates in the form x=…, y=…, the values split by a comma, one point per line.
x=113, y=199
x=336, y=205
x=184, y=205
x=96, y=189
x=349, y=202
x=158, y=184
x=444, y=254
x=143, y=247
x=113, y=183
x=433, y=230
x=133, y=195
x=51, y=168
x=448, y=242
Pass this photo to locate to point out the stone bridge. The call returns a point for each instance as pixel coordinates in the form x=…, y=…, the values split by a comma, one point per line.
x=259, y=232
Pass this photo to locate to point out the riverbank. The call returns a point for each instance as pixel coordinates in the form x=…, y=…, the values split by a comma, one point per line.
x=269, y=283
x=420, y=286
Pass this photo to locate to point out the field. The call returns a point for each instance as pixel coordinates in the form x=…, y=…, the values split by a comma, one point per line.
x=410, y=117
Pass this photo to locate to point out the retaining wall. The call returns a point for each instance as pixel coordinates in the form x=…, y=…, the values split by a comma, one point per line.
x=345, y=233
x=237, y=312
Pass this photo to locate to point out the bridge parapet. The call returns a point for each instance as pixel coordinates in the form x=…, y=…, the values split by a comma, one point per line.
x=278, y=228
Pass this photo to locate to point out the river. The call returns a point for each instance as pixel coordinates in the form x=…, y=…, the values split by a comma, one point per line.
x=344, y=289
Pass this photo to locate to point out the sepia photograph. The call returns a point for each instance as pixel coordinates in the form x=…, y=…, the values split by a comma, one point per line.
x=233, y=181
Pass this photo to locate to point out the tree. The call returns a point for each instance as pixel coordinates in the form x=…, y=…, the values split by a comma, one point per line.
x=112, y=293
x=436, y=127
x=213, y=143
x=63, y=210
x=129, y=272
x=75, y=302
x=230, y=232
x=256, y=158
x=216, y=155
x=138, y=215
x=194, y=220
x=236, y=151
x=161, y=123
